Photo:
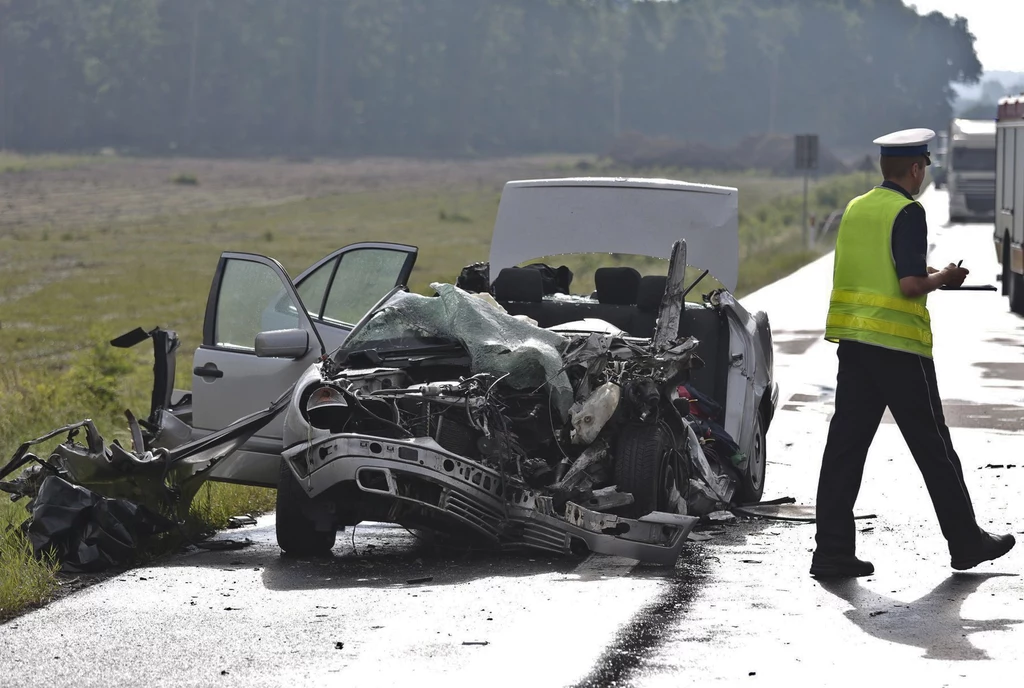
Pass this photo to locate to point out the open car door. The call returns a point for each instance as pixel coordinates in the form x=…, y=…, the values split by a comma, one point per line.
x=339, y=288
x=261, y=333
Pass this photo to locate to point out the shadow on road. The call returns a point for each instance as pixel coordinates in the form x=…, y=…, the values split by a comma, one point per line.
x=933, y=622
x=380, y=555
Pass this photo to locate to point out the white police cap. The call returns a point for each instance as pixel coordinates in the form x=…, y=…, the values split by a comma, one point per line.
x=906, y=143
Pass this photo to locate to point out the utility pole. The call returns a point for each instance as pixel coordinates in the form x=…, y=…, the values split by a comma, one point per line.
x=807, y=160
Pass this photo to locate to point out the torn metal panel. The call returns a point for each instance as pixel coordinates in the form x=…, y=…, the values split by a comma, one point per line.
x=608, y=498
x=92, y=504
x=165, y=346
x=719, y=484
x=590, y=468
x=667, y=328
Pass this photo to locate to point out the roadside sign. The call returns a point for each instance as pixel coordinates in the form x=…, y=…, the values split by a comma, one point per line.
x=807, y=159
x=807, y=151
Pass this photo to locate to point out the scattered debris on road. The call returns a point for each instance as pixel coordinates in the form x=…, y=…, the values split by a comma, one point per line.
x=241, y=521
x=721, y=516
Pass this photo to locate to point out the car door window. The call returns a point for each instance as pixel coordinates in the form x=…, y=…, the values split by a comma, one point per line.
x=314, y=285
x=362, y=278
x=246, y=290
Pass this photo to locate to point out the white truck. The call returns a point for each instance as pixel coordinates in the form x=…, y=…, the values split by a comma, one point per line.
x=971, y=170
x=1009, y=224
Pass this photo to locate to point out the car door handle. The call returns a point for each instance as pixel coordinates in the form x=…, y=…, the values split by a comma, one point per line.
x=208, y=371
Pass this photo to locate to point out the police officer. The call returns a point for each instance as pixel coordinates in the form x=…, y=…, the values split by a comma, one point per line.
x=878, y=316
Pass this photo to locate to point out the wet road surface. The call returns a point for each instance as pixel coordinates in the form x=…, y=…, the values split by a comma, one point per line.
x=738, y=608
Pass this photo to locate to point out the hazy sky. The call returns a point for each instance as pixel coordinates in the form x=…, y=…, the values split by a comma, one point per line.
x=996, y=24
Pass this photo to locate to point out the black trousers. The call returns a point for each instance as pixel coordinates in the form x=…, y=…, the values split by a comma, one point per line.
x=870, y=379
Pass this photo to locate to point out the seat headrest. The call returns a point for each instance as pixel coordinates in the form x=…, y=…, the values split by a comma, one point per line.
x=617, y=286
x=652, y=289
x=519, y=284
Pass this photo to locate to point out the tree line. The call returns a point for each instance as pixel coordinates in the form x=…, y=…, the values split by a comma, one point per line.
x=453, y=77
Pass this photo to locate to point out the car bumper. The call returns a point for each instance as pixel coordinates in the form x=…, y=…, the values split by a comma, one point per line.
x=420, y=472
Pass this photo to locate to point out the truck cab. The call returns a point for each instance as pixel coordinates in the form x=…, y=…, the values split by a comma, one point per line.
x=970, y=170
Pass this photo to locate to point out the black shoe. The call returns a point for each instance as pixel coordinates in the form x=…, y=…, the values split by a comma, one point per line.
x=840, y=566
x=988, y=548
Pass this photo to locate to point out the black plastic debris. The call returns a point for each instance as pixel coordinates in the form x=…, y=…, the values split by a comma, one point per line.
x=475, y=278
x=223, y=545
x=241, y=521
x=88, y=532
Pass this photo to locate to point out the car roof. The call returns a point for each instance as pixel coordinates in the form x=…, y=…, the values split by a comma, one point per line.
x=549, y=217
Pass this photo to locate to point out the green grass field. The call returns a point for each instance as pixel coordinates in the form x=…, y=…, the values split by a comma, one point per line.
x=69, y=285
x=13, y=162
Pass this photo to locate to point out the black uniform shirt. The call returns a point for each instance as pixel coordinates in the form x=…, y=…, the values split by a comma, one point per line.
x=909, y=237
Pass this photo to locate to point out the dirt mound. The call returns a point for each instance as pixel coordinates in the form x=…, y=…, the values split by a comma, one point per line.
x=771, y=152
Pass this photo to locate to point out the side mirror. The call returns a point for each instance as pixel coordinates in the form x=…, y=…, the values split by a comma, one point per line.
x=282, y=344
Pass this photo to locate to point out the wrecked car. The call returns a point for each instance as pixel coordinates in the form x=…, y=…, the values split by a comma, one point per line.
x=457, y=413
x=511, y=411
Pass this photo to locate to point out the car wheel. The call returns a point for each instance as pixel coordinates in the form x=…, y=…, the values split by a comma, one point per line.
x=643, y=468
x=1016, y=293
x=752, y=481
x=296, y=532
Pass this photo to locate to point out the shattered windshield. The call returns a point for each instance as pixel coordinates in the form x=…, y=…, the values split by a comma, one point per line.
x=526, y=356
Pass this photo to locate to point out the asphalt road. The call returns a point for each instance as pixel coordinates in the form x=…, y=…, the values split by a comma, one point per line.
x=738, y=609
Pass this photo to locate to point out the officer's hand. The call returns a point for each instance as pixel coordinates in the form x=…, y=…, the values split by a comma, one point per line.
x=954, y=276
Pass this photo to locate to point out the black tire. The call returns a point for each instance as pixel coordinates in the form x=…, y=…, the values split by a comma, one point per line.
x=296, y=533
x=643, y=468
x=751, y=486
x=1016, y=290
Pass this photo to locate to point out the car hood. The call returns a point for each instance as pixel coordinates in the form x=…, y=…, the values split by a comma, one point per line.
x=550, y=217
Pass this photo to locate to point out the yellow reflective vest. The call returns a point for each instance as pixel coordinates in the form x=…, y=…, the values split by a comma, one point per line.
x=867, y=304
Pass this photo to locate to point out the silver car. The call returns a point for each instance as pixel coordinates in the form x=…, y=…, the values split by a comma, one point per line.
x=521, y=415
